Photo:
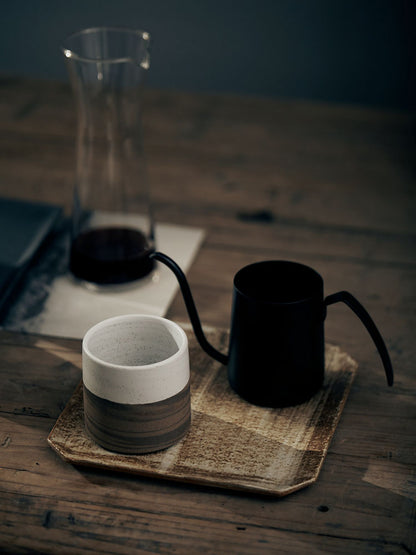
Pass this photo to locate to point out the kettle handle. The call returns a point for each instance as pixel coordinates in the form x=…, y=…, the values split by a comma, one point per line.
x=363, y=315
x=190, y=306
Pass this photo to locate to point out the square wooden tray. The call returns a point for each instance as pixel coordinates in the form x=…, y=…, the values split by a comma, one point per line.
x=231, y=443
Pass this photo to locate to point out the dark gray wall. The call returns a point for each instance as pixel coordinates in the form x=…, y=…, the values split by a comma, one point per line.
x=358, y=51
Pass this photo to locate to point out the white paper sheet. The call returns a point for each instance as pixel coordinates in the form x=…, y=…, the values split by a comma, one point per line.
x=71, y=308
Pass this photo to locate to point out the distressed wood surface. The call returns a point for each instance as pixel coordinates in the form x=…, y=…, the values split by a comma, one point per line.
x=330, y=186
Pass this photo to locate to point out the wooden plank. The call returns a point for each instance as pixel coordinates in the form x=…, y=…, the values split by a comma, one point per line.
x=32, y=494
x=93, y=498
x=345, y=466
x=293, y=155
x=330, y=186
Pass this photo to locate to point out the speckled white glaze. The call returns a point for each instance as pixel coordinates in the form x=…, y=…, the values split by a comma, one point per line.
x=135, y=359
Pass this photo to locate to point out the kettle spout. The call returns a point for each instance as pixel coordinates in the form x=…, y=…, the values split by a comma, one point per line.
x=190, y=306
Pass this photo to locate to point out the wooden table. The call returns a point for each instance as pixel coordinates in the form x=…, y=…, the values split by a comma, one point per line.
x=331, y=186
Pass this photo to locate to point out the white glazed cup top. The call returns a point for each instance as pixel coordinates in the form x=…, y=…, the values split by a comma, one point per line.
x=135, y=359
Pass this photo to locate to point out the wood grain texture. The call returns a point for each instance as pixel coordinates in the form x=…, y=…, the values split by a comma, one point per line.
x=331, y=186
x=231, y=443
x=136, y=428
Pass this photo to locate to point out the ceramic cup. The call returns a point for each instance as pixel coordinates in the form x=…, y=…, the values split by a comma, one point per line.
x=135, y=371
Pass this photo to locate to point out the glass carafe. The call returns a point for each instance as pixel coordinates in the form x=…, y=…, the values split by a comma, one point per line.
x=112, y=224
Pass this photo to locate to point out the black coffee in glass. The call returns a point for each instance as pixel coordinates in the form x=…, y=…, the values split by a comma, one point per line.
x=110, y=255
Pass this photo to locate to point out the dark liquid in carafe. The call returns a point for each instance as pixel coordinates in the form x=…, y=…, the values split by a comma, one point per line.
x=111, y=255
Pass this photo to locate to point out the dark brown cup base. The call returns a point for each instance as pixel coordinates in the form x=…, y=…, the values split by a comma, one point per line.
x=137, y=429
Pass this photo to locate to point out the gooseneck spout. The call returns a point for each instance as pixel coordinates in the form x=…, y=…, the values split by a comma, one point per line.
x=190, y=306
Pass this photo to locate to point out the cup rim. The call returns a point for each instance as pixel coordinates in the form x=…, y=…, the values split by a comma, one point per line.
x=141, y=367
x=71, y=54
x=287, y=263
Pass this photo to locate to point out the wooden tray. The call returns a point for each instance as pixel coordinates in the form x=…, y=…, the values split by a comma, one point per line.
x=231, y=443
